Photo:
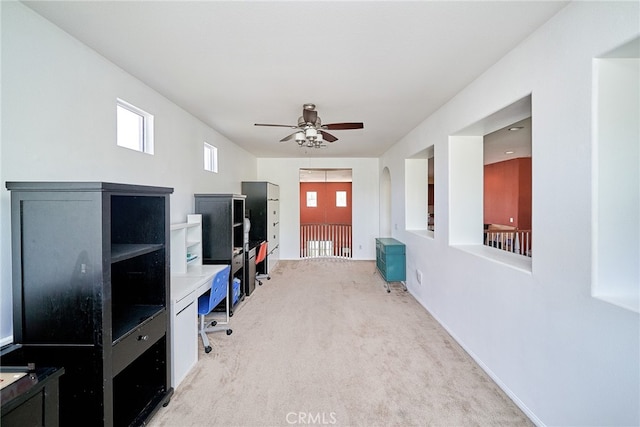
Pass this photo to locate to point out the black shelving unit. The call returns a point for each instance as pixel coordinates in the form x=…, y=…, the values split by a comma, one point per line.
x=90, y=289
x=223, y=235
x=263, y=207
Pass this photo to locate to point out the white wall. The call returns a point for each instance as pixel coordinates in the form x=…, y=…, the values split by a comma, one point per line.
x=58, y=123
x=364, y=196
x=567, y=358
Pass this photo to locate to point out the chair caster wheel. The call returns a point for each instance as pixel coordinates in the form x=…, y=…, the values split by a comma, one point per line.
x=230, y=313
x=207, y=349
x=388, y=291
x=214, y=323
x=268, y=278
x=229, y=331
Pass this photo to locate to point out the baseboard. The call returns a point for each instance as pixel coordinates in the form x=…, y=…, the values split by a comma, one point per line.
x=534, y=419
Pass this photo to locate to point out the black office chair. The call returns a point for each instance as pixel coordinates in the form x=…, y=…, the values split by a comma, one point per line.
x=208, y=301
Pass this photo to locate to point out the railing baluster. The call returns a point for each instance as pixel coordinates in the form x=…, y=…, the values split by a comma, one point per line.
x=326, y=240
x=516, y=241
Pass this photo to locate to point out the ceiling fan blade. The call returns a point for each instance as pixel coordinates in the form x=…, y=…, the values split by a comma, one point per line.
x=288, y=137
x=309, y=116
x=343, y=126
x=328, y=137
x=280, y=126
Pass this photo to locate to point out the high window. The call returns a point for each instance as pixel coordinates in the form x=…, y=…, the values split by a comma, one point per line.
x=312, y=199
x=134, y=127
x=210, y=158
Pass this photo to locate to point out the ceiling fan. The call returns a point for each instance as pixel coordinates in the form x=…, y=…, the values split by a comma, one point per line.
x=310, y=130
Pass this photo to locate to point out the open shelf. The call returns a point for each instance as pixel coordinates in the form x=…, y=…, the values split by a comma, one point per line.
x=121, y=252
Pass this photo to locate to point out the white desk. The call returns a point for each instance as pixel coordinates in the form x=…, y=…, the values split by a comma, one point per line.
x=185, y=290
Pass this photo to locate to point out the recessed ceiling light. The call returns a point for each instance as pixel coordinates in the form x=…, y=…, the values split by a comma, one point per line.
x=509, y=152
x=516, y=128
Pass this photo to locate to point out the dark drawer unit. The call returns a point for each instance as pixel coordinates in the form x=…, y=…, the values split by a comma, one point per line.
x=250, y=271
x=237, y=263
x=391, y=260
x=131, y=346
x=33, y=398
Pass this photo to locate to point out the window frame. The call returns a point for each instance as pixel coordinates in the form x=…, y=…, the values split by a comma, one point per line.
x=313, y=199
x=145, y=129
x=210, y=155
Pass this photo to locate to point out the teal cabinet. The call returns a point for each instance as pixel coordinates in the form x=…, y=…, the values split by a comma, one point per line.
x=391, y=260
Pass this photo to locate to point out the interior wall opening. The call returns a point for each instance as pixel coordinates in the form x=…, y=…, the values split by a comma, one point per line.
x=507, y=188
x=385, y=203
x=419, y=192
x=325, y=213
x=505, y=202
x=616, y=177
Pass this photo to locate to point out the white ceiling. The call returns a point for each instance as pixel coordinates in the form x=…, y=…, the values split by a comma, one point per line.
x=508, y=143
x=389, y=64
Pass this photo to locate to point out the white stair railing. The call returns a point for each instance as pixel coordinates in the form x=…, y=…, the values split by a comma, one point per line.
x=325, y=240
x=516, y=241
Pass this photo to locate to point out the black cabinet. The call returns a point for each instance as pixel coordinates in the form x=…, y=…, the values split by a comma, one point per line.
x=263, y=207
x=223, y=234
x=30, y=394
x=250, y=270
x=90, y=288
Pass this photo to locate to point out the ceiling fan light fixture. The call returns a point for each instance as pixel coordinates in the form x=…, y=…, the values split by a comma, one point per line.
x=311, y=133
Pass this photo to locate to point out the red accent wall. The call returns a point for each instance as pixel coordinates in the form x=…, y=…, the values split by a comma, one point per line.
x=507, y=193
x=326, y=212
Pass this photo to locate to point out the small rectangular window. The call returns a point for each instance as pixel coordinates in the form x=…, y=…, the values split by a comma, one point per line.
x=341, y=199
x=210, y=158
x=312, y=199
x=134, y=127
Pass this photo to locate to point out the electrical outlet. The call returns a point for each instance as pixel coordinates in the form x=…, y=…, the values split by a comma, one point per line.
x=419, y=276
x=510, y=219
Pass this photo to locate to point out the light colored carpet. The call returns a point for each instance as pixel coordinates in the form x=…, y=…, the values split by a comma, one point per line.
x=323, y=343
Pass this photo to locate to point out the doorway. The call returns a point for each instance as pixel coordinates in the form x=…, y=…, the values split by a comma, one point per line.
x=325, y=213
